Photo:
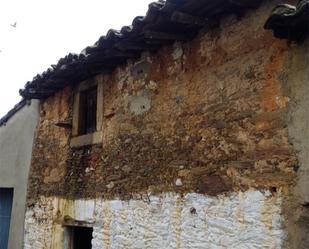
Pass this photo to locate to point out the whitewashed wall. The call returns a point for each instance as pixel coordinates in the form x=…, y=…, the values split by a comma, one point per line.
x=240, y=221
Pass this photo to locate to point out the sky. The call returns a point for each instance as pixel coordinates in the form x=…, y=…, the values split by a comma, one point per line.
x=47, y=30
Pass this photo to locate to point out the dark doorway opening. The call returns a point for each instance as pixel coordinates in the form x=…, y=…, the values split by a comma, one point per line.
x=81, y=237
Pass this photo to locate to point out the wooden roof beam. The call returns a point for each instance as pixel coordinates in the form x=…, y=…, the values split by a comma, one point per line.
x=35, y=95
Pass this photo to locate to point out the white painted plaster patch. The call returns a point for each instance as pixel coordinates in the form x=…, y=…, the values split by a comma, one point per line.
x=140, y=104
x=240, y=221
x=84, y=210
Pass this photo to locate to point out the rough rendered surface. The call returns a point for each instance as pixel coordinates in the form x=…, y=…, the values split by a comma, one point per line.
x=240, y=221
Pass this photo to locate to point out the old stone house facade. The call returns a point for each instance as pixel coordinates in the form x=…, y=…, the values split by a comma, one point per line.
x=187, y=129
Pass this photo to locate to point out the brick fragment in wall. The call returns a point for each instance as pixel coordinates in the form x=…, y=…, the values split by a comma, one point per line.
x=239, y=220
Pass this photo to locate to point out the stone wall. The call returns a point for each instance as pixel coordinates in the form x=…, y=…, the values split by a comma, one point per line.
x=210, y=116
x=207, y=112
x=241, y=220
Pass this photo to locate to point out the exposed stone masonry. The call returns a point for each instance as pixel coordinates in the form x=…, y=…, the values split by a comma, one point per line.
x=218, y=118
x=210, y=112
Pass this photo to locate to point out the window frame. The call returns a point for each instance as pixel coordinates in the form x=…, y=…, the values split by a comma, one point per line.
x=95, y=137
x=87, y=120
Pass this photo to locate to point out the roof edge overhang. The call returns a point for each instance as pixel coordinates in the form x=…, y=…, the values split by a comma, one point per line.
x=165, y=22
x=12, y=112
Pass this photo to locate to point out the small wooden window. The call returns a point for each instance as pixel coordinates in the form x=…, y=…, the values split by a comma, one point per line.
x=88, y=111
